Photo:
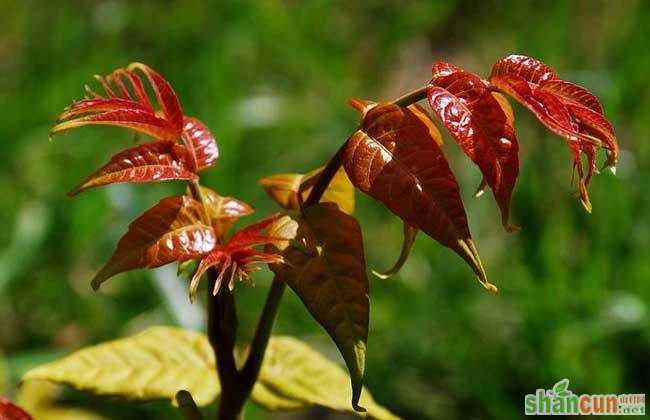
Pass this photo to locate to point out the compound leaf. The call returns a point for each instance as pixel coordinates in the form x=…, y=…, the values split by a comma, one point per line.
x=125, y=103
x=566, y=109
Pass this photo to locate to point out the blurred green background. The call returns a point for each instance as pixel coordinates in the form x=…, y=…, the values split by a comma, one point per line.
x=271, y=79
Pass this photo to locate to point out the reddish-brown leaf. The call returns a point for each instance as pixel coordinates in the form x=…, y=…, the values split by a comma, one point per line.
x=565, y=108
x=477, y=121
x=326, y=268
x=527, y=68
x=394, y=159
x=149, y=162
x=125, y=104
x=238, y=256
x=165, y=95
x=572, y=93
x=201, y=142
x=10, y=411
x=223, y=211
x=169, y=231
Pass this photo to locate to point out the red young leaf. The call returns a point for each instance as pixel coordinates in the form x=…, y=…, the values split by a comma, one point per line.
x=149, y=162
x=166, y=96
x=169, y=231
x=573, y=93
x=567, y=109
x=475, y=119
x=529, y=69
x=10, y=411
x=223, y=211
x=127, y=105
x=394, y=159
x=238, y=255
x=201, y=141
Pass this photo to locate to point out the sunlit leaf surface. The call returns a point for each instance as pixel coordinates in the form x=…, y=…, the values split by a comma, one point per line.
x=169, y=231
x=149, y=162
x=160, y=361
x=394, y=159
x=476, y=120
x=567, y=109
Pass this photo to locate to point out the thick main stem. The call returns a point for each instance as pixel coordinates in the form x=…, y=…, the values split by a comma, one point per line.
x=234, y=396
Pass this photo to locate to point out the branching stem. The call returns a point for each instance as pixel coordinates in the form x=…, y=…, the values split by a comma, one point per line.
x=236, y=385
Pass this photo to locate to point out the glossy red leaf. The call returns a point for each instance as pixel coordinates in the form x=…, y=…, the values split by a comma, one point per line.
x=171, y=230
x=394, y=159
x=526, y=68
x=165, y=95
x=572, y=93
x=201, y=141
x=476, y=120
x=567, y=109
x=238, y=256
x=125, y=104
x=10, y=411
x=149, y=162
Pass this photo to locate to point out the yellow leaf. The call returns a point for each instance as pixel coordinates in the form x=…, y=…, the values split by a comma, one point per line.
x=294, y=371
x=160, y=361
x=326, y=268
x=38, y=398
x=154, y=364
x=284, y=189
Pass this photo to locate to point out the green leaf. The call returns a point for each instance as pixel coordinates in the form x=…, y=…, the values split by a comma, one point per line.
x=294, y=371
x=154, y=364
x=326, y=268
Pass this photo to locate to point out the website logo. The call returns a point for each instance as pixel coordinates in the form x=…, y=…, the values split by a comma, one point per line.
x=561, y=401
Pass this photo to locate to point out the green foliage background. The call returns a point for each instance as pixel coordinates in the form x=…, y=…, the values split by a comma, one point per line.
x=271, y=79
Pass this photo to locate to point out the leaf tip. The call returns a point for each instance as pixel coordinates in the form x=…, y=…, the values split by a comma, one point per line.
x=380, y=275
x=490, y=287
x=584, y=198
